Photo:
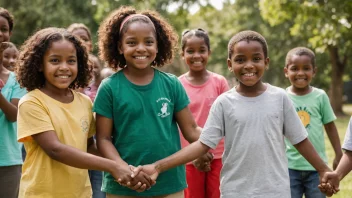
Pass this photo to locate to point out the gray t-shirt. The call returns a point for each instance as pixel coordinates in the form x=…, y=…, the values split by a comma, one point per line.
x=347, y=145
x=254, y=159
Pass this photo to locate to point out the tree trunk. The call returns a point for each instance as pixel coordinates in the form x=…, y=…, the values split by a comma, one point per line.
x=336, y=89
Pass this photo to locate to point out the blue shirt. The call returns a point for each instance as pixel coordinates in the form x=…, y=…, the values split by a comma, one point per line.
x=10, y=149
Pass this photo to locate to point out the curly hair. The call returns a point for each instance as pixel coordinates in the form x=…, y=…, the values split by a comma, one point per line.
x=30, y=62
x=110, y=37
x=247, y=35
x=199, y=32
x=8, y=16
x=300, y=51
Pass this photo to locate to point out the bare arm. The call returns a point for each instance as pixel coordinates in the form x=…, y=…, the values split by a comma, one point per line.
x=345, y=165
x=9, y=108
x=189, y=128
x=308, y=151
x=92, y=147
x=333, y=135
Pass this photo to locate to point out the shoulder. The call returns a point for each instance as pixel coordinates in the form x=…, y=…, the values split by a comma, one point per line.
x=276, y=90
x=217, y=77
x=34, y=96
x=319, y=92
x=81, y=96
x=167, y=77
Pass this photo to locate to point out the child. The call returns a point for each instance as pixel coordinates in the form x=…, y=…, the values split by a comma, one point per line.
x=253, y=117
x=9, y=55
x=10, y=94
x=139, y=107
x=6, y=25
x=345, y=165
x=55, y=123
x=92, y=88
x=82, y=32
x=202, y=87
x=314, y=109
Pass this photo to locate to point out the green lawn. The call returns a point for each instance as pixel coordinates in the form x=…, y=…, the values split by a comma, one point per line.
x=341, y=123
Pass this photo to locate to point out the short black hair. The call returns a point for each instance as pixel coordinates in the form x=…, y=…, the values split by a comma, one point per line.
x=199, y=32
x=8, y=16
x=247, y=35
x=300, y=51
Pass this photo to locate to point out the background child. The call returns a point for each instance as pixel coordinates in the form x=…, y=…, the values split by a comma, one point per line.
x=10, y=94
x=313, y=107
x=83, y=33
x=202, y=87
x=345, y=165
x=56, y=123
x=253, y=117
x=9, y=55
x=139, y=107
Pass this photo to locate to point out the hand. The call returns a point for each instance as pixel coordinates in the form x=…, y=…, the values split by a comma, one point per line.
x=336, y=162
x=203, y=163
x=329, y=183
x=139, y=183
x=149, y=169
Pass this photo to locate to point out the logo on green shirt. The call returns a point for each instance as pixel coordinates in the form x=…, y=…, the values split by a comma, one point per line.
x=164, y=105
x=304, y=115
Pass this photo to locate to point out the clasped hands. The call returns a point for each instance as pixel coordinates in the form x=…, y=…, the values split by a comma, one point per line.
x=329, y=183
x=142, y=178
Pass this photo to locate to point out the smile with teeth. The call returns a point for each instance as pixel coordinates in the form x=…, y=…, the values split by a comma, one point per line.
x=63, y=77
x=249, y=74
x=140, y=57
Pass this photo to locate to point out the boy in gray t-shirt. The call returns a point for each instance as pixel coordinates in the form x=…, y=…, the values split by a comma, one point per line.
x=254, y=117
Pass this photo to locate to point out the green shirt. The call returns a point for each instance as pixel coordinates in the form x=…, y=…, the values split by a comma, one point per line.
x=10, y=149
x=145, y=129
x=314, y=110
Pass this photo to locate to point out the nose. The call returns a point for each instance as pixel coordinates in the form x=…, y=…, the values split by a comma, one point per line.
x=196, y=55
x=12, y=60
x=248, y=65
x=63, y=66
x=141, y=47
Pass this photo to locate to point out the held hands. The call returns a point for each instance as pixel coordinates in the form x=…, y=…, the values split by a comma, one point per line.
x=329, y=183
x=203, y=163
x=139, y=183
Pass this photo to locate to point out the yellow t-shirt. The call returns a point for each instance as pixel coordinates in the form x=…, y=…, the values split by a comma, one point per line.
x=73, y=123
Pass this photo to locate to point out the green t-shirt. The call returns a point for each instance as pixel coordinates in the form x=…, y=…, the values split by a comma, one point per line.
x=314, y=110
x=145, y=128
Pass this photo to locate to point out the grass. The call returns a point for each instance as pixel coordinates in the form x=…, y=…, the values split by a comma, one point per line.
x=341, y=124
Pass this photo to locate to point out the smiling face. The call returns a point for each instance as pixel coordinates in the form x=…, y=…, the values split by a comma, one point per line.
x=60, y=65
x=248, y=62
x=300, y=71
x=139, y=45
x=4, y=30
x=9, y=57
x=196, y=53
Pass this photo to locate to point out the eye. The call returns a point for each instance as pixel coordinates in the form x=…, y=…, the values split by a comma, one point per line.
x=239, y=60
x=4, y=29
x=131, y=42
x=72, y=61
x=54, y=60
x=189, y=51
x=150, y=42
x=257, y=59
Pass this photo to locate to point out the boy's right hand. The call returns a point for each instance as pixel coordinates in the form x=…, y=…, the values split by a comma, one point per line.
x=329, y=183
x=139, y=183
x=203, y=163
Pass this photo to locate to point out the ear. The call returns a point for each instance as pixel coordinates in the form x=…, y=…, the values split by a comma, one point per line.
x=229, y=65
x=267, y=60
x=315, y=69
x=209, y=52
x=119, y=46
x=286, y=71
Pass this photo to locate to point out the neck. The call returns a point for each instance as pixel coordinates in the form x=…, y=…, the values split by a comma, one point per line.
x=197, y=77
x=62, y=95
x=139, y=76
x=251, y=91
x=300, y=91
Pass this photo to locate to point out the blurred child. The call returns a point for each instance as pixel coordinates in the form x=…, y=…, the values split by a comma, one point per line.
x=254, y=117
x=82, y=32
x=10, y=94
x=313, y=107
x=9, y=55
x=202, y=87
x=92, y=88
x=56, y=123
x=345, y=165
x=138, y=108
x=106, y=72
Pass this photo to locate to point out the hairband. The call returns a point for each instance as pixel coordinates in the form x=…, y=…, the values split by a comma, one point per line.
x=135, y=15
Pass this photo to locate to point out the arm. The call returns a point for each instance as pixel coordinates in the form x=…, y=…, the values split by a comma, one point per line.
x=307, y=150
x=92, y=147
x=104, y=127
x=333, y=135
x=9, y=108
x=345, y=165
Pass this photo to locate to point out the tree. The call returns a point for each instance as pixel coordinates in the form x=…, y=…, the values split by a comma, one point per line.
x=325, y=25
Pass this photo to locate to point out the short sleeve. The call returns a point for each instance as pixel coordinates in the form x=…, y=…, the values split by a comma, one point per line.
x=214, y=128
x=32, y=119
x=92, y=128
x=347, y=144
x=18, y=92
x=326, y=110
x=294, y=130
x=181, y=98
x=103, y=104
